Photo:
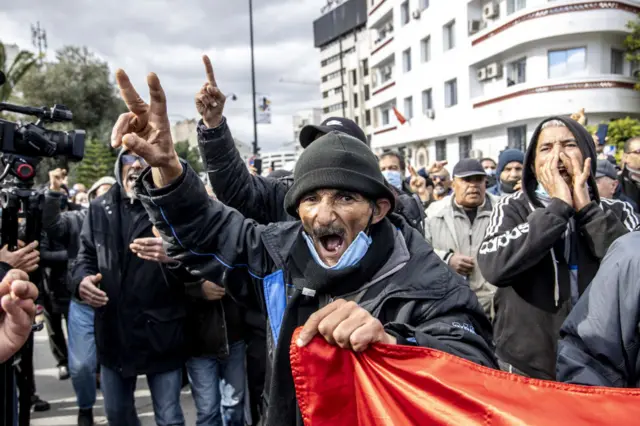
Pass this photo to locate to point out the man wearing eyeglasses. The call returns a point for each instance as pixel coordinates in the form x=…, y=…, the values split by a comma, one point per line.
x=122, y=271
x=630, y=177
x=441, y=183
x=455, y=227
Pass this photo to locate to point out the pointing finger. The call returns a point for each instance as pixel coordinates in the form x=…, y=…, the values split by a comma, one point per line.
x=209, y=69
x=158, y=98
x=133, y=100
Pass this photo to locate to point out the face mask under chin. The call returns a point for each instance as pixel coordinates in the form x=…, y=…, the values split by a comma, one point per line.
x=634, y=175
x=351, y=257
x=439, y=190
x=508, y=187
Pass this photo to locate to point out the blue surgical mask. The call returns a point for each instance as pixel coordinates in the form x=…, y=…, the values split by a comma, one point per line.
x=394, y=177
x=354, y=253
x=542, y=194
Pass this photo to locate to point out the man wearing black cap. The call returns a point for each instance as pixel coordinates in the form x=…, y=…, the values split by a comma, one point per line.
x=544, y=245
x=347, y=268
x=254, y=196
x=456, y=225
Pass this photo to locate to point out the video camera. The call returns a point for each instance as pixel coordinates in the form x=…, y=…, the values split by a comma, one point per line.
x=23, y=145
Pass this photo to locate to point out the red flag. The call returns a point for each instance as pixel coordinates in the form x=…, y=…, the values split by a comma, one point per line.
x=399, y=116
x=405, y=385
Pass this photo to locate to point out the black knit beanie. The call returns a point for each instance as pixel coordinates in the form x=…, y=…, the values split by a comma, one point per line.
x=337, y=161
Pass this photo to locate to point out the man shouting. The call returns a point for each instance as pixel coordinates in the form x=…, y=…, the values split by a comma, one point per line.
x=347, y=268
x=544, y=245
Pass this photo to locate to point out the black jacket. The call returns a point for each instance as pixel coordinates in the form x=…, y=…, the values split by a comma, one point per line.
x=53, y=266
x=600, y=343
x=63, y=229
x=259, y=198
x=212, y=325
x=523, y=254
x=415, y=295
x=141, y=329
x=628, y=190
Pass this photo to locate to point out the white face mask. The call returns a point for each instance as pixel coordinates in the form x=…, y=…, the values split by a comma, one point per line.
x=490, y=172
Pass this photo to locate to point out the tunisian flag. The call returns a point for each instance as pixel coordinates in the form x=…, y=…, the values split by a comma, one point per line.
x=404, y=385
x=399, y=116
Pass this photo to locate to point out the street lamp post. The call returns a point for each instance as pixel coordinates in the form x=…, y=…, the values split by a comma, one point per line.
x=253, y=83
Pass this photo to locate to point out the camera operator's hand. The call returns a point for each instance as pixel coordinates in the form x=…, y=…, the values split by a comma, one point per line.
x=17, y=296
x=90, y=293
x=150, y=249
x=210, y=100
x=26, y=258
x=57, y=178
x=146, y=131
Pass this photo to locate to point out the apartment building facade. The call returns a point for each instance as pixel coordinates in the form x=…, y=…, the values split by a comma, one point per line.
x=342, y=37
x=478, y=75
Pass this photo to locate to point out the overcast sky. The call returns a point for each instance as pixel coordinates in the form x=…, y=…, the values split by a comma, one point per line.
x=169, y=37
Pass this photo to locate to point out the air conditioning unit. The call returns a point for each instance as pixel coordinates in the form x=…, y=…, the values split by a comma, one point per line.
x=474, y=26
x=494, y=70
x=490, y=11
x=430, y=113
x=481, y=74
x=416, y=14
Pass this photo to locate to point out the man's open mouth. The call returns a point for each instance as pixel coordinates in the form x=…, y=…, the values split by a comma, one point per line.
x=332, y=243
x=132, y=177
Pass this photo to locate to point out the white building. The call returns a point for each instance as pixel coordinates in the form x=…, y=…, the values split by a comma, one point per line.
x=278, y=160
x=480, y=74
x=342, y=38
x=187, y=130
x=303, y=118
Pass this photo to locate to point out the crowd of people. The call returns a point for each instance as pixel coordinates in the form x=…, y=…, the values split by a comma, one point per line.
x=526, y=264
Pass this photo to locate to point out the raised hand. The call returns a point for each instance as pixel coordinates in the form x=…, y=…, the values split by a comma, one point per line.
x=553, y=182
x=437, y=166
x=17, y=299
x=146, y=130
x=580, y=176
x=418, y=184
x=210, y=100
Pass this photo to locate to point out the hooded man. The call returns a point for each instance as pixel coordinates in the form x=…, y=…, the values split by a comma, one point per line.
x=509, y=173
x=347, y=268
x=139, y=304
x=544, y=245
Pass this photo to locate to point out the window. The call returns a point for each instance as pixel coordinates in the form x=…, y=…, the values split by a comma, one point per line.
x=408, y=108
x=517, y=72
x=424, y=4
x=367, y=95
x=617, y=61
x=565, y=63
x=425, y=48
x=464, y=146
x=427, y=101
x=354, y=77
x=406, y=60
x=384, y=116
x=365, y=67
x=337, y=90
x=404, y=12
x=451, y=93
x=449, y=35
x=367, y=117
x=355, y=100
x=358, y=120
x=515, y=5
x=517, y=137
x=325, y=94
x=335, y=107
x=386, y=73
x=441, y=150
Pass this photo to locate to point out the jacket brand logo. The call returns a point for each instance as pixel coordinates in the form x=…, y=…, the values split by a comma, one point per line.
x=503, y=240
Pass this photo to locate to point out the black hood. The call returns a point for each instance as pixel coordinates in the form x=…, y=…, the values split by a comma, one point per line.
x=586, y=145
